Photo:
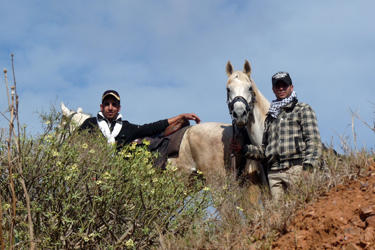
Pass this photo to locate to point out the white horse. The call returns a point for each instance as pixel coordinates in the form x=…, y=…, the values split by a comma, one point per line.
x=205, y=147
x=72, y=118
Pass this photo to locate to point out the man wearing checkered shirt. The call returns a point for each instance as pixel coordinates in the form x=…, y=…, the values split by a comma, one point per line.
x=291, y=139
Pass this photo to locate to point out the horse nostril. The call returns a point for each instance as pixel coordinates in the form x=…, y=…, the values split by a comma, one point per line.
x=235, y=115
x=244, y=113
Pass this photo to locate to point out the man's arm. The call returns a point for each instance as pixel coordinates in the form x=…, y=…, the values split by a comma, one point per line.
x=249, y=151
x=311, y=137
x=186, y=116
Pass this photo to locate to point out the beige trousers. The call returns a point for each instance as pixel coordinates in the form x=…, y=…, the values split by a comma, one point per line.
x=279, y=180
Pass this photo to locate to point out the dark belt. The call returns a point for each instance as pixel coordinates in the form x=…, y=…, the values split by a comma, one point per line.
x=292, y=162
x=295, y=162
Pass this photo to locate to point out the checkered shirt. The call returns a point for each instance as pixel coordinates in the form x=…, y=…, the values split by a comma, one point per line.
x=293, y=135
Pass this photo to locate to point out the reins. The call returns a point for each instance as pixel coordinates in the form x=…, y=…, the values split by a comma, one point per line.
x=233, y=154
x=249, y=108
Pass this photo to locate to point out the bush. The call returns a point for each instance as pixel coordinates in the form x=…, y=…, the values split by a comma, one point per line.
x=85, y=194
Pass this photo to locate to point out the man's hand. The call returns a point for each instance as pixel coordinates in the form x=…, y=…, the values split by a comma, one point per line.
x=192, y=116
x=187, y=116
x=234, y=145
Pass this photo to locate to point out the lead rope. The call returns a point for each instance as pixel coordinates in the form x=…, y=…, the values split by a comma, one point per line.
x=233, y=156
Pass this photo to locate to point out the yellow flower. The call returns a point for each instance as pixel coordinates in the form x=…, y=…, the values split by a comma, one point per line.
x=206, y=189
x=86, y=238
x=84, y=145
x=47, y=122
x=73, y=168
x=92, y=151
x=55, y=153
x=239, y=208
x=225, y=187
x=199, y=172
x=6, y=206
x=99, y=182
x=146, y=142
x=133, y=146
x=155, y=180
x=67, y=178
x=129, y=243
x=172, y=168
x=106, y=175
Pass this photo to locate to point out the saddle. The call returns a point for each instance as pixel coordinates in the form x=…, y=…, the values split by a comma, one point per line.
x=167, y=143
x=180, y=123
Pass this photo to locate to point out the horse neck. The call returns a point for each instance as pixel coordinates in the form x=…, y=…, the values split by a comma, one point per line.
x=255, y=127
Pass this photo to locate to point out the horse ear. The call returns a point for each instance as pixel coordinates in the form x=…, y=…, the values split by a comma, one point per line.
x=229, y=69
x=64, y=109
x=247, y=68
x=79, y=110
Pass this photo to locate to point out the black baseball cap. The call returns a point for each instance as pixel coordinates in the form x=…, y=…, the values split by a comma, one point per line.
x=111, y=93
x=281, y=76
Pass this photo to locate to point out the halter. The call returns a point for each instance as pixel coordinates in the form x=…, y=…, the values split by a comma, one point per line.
x=249, y=105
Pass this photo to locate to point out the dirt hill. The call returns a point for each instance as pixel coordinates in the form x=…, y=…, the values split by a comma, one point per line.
x=344, y=219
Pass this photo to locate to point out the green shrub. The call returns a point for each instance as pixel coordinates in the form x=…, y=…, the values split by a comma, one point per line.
x=85, y=194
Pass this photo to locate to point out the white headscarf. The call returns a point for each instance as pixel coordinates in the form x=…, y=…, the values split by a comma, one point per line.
x=104, y=127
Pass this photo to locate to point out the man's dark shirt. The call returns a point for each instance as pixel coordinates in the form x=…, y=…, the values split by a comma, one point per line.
x=129, y=131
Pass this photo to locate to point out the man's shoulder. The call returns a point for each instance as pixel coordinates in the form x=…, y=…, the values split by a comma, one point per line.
x=304, y=108
x=303, y=105
x=91, y=120
x=88, y=123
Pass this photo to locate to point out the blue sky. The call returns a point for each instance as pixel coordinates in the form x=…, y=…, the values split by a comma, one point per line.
x=169, y=57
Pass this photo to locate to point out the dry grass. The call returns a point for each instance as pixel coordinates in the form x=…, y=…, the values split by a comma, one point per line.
x=247, y=217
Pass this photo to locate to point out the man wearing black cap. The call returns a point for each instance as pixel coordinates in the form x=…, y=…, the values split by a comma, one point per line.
x=120, y=131
x=291, y=139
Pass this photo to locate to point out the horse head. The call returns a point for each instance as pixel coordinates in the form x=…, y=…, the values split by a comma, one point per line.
x=71, y=118
x=241, y=94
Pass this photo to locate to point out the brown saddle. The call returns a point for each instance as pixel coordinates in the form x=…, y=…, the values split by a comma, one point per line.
x=167, y=143
x=180, y=123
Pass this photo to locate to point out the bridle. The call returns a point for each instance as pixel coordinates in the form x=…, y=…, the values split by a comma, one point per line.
x=249, y=105
x=249, y=108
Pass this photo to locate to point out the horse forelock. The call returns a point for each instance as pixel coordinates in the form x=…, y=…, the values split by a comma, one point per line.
x=240, y=76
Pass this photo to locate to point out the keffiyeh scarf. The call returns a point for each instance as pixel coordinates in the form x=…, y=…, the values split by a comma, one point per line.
x=104, y=127
x=277, y=105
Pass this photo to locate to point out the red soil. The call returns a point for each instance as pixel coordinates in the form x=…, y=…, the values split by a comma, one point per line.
x=342, y=219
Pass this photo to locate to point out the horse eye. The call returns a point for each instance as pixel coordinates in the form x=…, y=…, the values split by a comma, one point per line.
x=250, y=88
